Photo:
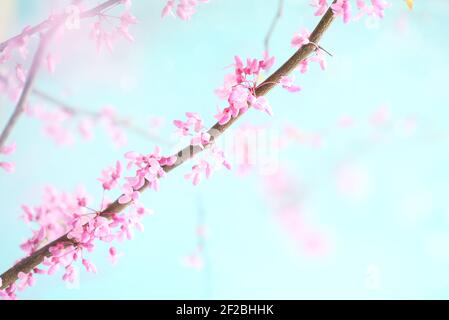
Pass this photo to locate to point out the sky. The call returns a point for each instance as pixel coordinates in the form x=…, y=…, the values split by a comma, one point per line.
x=373, y=195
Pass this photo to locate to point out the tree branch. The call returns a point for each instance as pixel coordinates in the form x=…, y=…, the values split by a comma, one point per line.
x=56, y=21
x=273, y=25
x=27, y=264
x=20, y=107
x=79, y=111
x=117, y=120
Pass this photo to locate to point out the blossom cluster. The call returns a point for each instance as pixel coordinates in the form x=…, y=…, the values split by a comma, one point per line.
x=185, y=9
x=61, y=125
x=193, y=126
x=239, y=89
x=343, y=8
x=65, y=213
x=212, y=159
x=69, y=214
x=106, y=37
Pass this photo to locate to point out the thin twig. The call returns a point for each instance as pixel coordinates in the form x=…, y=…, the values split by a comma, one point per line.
x=56, y=21
x=20, y=107
x=117, y=120
x=27, y=264
x=273, y=25
x=94, y=115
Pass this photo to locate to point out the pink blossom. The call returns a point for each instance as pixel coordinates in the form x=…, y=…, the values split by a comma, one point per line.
x=9, y=167
x=129, y=194
x=9, y=149
x=85, y=127
x=201, y=140
x=70, y=274
x=379, y=7
x=267, y=62
x=261, y=103
x=90, y=267
x=300, y=38
x=26, y=280
x=193, y=123
x=206, y=167
x=126, y=20
x=224, y=91
x=184, y=9
x=320, y=5
x=288, y=83
x=239, y=88
x=203, y=167
x=224, y=116
x=342, y=8
x=320, y=58
x=113, y=255
x=110, y=176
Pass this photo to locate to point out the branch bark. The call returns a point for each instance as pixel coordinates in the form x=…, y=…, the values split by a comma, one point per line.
x=118, y=120
x=20, y=107
x=273, y=25
x=77, y=111
x=27, y=264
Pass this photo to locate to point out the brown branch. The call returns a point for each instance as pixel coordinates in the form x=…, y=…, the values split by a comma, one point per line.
x=20, y=107
x=273, y=25
x=56, y=21
x=32, y=261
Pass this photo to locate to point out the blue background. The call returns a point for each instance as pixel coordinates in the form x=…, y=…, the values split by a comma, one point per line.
x=397, y=231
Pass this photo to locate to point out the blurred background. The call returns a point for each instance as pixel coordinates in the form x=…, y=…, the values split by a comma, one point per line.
x=353, y=201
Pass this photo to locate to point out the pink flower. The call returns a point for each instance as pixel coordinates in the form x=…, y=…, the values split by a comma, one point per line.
x=267, y=62
x=261, y=103
x=288, y=83
x=110, y=176
x=9, y=167
x=201, y=140
x=90, y=267
x=376, y=8
x=224, y=116
x=379, y=7
x=26, y=280
x=168, y=8
x=203, y=167
x=184, y=10
x=321, y=6
x=70, y=274
x=113, y=255
x=239, y=88
x=129, y=194
x=194, y=123
x=342, y=8
x=126, y=20
x=224, y=91
x=300, y=38
x=320, y=58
